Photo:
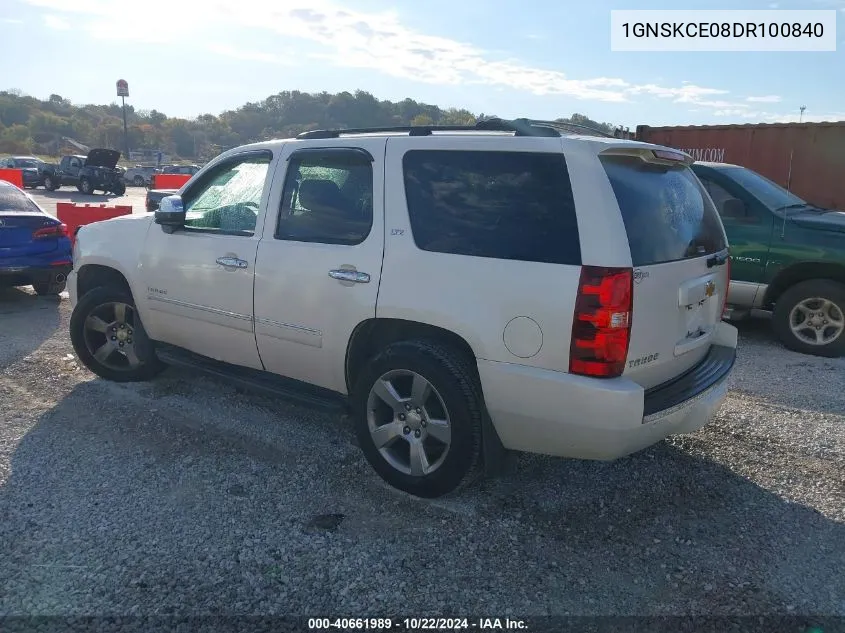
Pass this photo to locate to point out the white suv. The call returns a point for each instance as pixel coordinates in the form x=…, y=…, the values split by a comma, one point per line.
x=465, y=290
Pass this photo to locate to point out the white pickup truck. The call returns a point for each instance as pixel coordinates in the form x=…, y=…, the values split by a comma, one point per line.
x=465, y=291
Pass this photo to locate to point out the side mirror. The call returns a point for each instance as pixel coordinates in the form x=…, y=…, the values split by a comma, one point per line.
x=170, y=214
x=734, y=208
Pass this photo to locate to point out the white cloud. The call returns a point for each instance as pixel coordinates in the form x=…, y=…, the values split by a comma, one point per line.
x=11, y=21
x=376, y=41
x=56, y=22
x=249, y=55
x=764, y=99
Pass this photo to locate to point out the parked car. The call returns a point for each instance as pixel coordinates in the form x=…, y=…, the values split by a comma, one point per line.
x=97, y=170
x=34, y=246
x=189, y=170
x=787, y=256
x=32, y=169
x=139, y=175
x=507, y=287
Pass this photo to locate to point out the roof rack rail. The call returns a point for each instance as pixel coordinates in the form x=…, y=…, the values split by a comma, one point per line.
x=566, y=126
x=520, y=127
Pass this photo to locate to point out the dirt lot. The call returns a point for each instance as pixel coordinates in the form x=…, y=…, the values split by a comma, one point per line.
x=188, y=496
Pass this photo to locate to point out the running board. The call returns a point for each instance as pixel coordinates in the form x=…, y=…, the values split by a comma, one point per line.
x=254, y=379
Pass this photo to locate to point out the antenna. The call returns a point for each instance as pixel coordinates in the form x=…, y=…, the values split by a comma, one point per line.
x=788, y=185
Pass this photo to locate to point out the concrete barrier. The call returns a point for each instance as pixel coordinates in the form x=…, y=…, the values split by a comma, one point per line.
x=14, y=176
x=76, y=215
x=169, y=181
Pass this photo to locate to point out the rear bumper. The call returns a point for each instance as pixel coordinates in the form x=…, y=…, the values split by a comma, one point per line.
x=26, y=275
x=553, y=413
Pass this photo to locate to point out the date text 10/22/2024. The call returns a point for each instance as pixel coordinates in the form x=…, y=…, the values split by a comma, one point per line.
x=416, y=624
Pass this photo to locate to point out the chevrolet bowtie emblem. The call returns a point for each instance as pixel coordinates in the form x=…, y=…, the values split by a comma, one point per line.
x=710, y=289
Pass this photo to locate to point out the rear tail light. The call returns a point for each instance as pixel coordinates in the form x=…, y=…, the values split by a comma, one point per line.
x=601, y=329
x=51, y=232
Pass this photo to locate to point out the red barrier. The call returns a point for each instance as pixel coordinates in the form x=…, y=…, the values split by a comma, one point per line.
x=14, y=176
x=76, y=215
x=170, y=181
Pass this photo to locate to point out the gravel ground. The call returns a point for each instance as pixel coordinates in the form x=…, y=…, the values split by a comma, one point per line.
x=187, y=496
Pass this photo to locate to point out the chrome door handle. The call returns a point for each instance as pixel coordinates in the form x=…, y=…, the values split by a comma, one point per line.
x=350, y=275
x=232, y=262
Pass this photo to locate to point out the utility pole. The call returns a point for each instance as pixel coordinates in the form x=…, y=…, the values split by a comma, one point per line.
x=123, y=92
x=801, y=116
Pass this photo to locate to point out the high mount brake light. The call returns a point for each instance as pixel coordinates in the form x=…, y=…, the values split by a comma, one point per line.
x=601, y=329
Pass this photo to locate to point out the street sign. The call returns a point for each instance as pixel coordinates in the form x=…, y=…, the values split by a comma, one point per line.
x=122, y=88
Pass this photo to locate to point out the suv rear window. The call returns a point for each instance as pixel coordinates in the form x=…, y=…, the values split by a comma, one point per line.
x=667, y=214
x=504, y=205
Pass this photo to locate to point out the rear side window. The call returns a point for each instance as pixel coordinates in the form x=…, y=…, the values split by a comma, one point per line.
x=503, y=205
x=667, y=214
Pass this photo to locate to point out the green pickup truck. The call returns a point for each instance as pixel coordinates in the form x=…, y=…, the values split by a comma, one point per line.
x=787, y=258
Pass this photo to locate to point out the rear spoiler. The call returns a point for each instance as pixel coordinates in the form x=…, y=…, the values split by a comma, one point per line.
x=650, y=154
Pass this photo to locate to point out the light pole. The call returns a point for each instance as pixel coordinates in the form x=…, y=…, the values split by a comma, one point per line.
x=801, y=116
x=123, y=92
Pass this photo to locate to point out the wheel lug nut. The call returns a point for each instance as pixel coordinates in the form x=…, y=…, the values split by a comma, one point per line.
x=417, y=433
x=122, y=326
x=402, y=417
x=423, y=422
x=406, y=430
x=418, y=410
x=407, y=407
x=114, y=338
x=121, y=343
x=129, y=340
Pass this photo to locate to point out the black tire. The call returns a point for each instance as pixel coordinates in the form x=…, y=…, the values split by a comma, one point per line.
x=455, y=380
x=49, y=183
x=119, y=189
x=85, y=186
x=138, y=181
x=150, y=365
x=46, y=289
x=814, y=288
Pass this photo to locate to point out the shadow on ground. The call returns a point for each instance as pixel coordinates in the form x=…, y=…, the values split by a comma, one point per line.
x=26, y=321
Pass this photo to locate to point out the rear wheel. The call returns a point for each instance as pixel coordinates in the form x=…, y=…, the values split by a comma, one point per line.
x=810, y=318
x=418, y=410
x=49, y=184
x=109, y=338
x=119, y=189
x=85, y=186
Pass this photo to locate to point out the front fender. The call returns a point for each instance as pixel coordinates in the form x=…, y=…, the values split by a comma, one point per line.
x=116, y=243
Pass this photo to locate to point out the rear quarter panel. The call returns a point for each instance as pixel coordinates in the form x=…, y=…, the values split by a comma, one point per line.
x=483, y=300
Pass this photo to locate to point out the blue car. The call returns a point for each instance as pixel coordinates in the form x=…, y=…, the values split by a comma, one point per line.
x=34, y=247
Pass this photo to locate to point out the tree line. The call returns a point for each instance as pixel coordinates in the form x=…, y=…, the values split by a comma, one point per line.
x=31, y=125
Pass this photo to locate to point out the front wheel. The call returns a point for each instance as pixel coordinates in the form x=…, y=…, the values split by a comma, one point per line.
x=85, y=186
x=810, y=318
x=49, y=184
x=109, y=338
x=119, y=189
x=418, y=411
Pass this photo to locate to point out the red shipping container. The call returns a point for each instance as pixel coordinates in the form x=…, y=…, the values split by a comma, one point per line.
x=76, y=215
x=170, y=181
x=14, y=176
x=808, y=158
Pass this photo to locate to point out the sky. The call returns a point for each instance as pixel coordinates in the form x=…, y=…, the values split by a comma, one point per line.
x=529, y=58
